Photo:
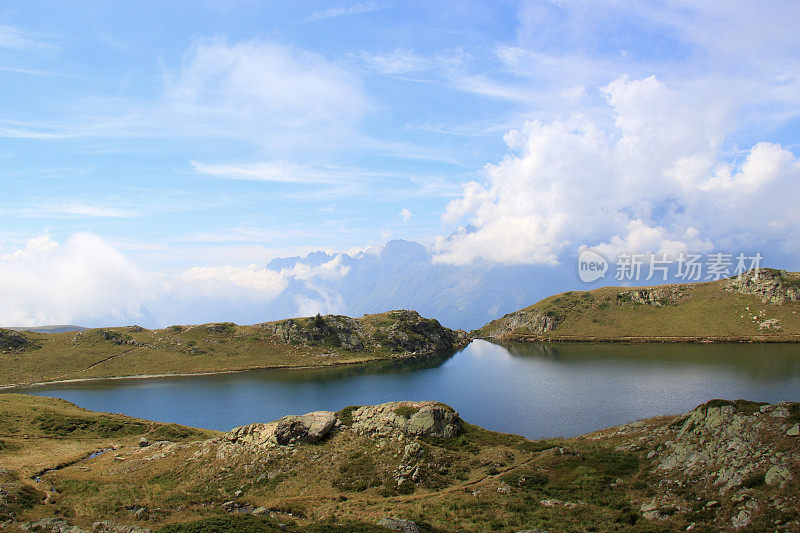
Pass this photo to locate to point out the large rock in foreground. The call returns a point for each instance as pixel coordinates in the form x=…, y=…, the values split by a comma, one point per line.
x=419, y=419
x=311, y=427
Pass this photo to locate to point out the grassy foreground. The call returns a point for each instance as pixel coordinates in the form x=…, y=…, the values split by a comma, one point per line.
x=31, y=357
x=724, y=466
x=764, y=310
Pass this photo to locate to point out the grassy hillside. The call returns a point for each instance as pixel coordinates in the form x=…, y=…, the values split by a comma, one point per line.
x=29, y=357
x=44, y=433
x=743, y=472
x=747, y=309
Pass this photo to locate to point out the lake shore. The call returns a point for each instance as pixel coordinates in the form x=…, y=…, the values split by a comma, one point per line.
x=664, y=339
x=18, y=386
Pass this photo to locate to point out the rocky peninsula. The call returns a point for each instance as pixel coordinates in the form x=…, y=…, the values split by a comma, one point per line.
x=133, y=351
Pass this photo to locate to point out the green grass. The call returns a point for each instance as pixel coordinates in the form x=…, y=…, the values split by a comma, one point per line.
x=742, y=406
x=259, y=524
x=688, y=311
x=17, y=498
x=406, y=411
x=57, y=424
x=346, y=415
x=52, y=418
x=348, y=482
x=357, y=473
x=129, y=351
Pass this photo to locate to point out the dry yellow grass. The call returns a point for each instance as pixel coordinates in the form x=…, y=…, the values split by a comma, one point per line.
x=133, y=351
x=702, y=311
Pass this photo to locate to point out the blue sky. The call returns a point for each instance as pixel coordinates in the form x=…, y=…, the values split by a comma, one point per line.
x=159, y=145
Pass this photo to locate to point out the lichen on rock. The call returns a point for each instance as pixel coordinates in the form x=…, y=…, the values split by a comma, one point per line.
x=428, y=419
x=769, y=285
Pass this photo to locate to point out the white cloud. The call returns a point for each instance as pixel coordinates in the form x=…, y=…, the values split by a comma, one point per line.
x=16, y=38
x=277, y=171
x=399, y=61
x=86, y=281
x=405, y=214
x=325, y=303
x=263, y=92
x=81, y=280
x=228, y=282
x=329, y=270
x=343, y=11
x=653, y=178
x=265, y=85
x=87, y=210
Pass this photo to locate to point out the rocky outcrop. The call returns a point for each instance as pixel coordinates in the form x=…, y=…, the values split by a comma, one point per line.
x=13, y=341
x=727, y=443
x=59, y=525
x=737, y=460
x=407, y=331
x=311, y=427
x=399, y=524
x=93, y=335
x=657, y=297
x=769, y=285
x=421, y=419
x=332, y=330
x=399, y=331
x=524, y=321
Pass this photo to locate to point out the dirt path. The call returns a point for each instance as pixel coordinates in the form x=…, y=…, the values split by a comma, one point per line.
x=101, y=361
x=465, y=484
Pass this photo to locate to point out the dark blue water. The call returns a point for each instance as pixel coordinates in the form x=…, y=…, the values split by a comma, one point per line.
x=536, y=390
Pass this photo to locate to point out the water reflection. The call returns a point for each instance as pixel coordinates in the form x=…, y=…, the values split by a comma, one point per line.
x=537, y=390
x=760, y=361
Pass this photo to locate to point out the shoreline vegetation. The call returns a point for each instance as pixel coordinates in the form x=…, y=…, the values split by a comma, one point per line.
x=724, y=466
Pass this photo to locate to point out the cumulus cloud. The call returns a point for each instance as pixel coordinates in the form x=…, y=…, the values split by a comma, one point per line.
x=649, y=177
x=405, y=214
x=79, y=280
x=325, y=302
x=86, y=281
x=230, y=282
x=333, y=269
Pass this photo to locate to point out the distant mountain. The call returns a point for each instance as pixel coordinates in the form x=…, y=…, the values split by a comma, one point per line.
x=402, y=275
x=48, y=329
